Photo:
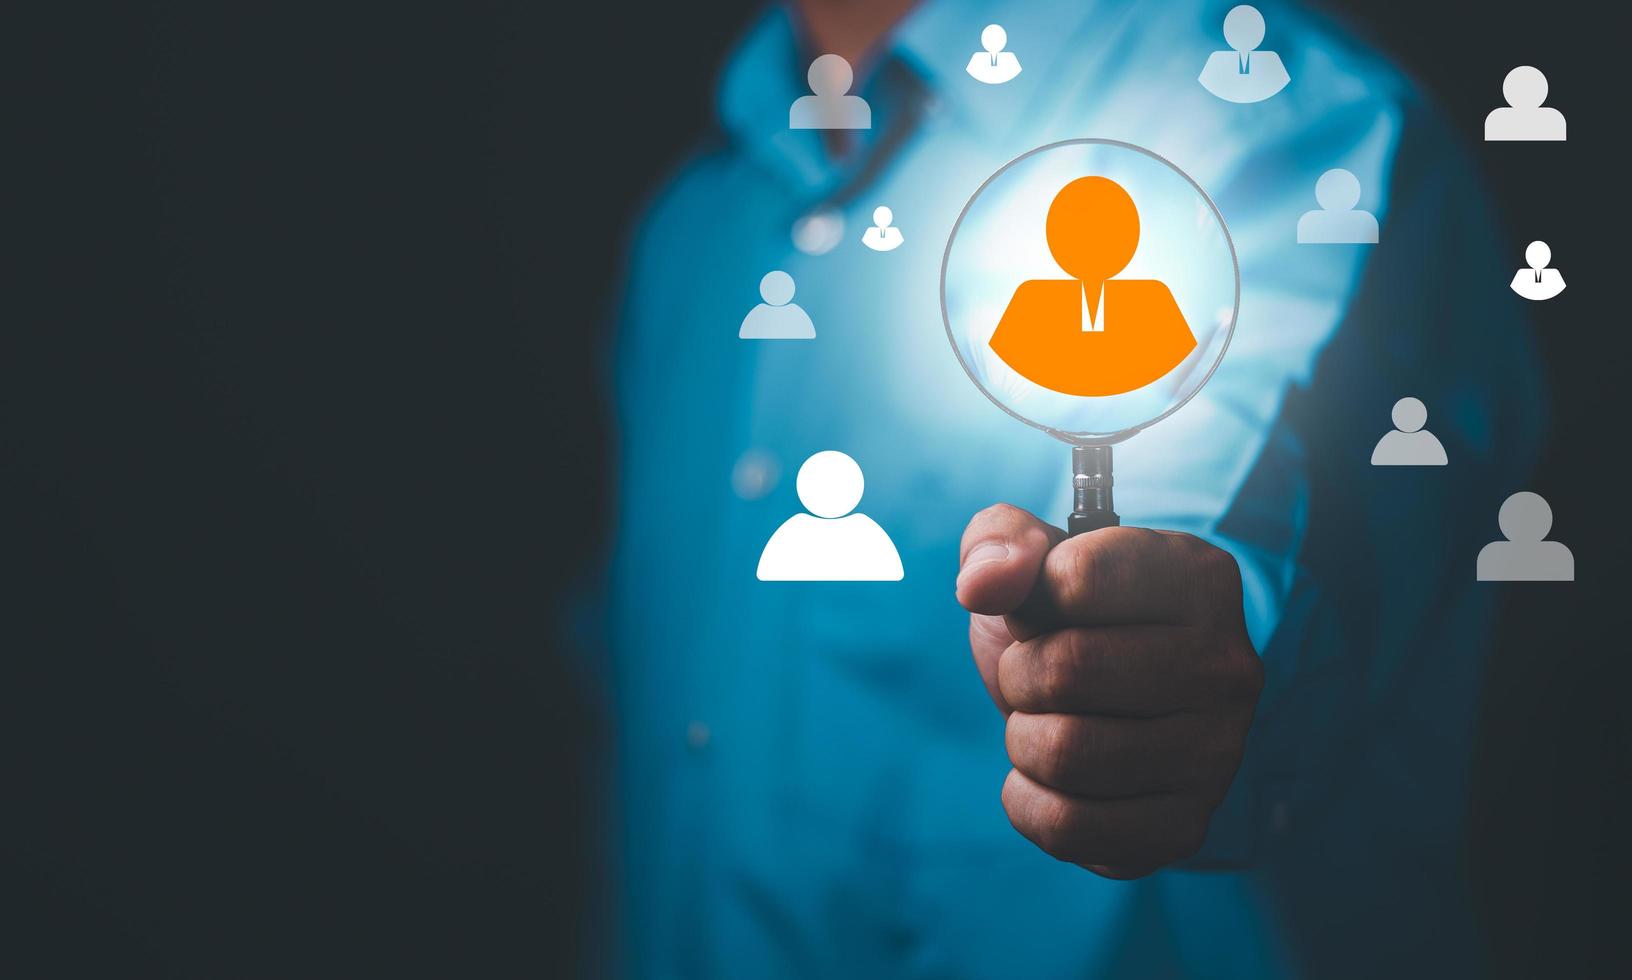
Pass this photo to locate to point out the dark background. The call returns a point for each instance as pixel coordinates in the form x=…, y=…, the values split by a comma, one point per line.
x=299, y=450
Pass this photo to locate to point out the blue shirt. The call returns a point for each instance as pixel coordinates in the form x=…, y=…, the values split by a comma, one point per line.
x=807, y=774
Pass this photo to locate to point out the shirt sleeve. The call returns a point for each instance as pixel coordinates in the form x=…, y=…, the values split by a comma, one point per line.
x=1189, y=471
x=1271, y=460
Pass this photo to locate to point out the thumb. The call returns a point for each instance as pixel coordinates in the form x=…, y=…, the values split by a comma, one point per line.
x=1001, y=555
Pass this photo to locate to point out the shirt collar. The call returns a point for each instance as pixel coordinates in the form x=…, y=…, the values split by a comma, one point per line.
x=762, y=77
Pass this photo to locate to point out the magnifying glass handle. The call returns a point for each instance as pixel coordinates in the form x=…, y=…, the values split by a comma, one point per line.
x=1091, y=503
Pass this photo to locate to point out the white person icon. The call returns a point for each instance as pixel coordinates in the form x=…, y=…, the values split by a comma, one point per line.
x=1537, y=281
x=834, y=545
x=882, y=236
x=994, y=66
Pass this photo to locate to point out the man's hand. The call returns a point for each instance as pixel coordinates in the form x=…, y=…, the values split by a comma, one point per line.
x=1122, y=661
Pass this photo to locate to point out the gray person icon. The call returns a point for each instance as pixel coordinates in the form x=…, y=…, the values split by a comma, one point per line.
x=778, y=318
x=830, y=106
x=1409, y=444
x=1244, y=74
x=1524, y=117
x=1525, y=556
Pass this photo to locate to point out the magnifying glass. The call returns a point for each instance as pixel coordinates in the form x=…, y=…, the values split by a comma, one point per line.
x=1090, y=288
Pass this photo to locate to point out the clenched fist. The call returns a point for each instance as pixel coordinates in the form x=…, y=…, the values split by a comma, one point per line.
x=1122, y=662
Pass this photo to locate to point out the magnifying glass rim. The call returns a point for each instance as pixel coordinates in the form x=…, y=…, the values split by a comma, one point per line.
x=1091, y=438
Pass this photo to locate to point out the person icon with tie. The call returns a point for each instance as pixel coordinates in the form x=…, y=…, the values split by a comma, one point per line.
x=1336, y=221
x=1525, y=556
x=1244, y=74
x=1538, y=282
x=1092, y=334
x=1409, y=444
x=834, y=545
x=778, y=318
x=1524, y=117
x=830, y=107
x=882, y=237
x=994, y=66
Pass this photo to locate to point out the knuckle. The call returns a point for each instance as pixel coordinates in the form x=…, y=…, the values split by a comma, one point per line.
x=1145, y=537
x=1215, y=569
x=1232, y=673
x=1241, y=676
x=1059, y=829
x=1016, y=736
x=1011, y=799
x=1020, y=670
x=1035, y=538
x=987, y=629
x=1055, y=676
x=1002, y=514
x=988, y=519
x=1066, y=570
x=1045, y=819
x=1139, y=539
x=1083, y=571
x=1012, y=808
x=1218, y=567
x=1225, y=569
x=1064, y=660
x=1059, y=748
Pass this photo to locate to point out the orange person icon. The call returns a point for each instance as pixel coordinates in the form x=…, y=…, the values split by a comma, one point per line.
x=1092, y=334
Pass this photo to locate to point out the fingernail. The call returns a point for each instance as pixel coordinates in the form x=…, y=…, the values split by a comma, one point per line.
x=980, y=555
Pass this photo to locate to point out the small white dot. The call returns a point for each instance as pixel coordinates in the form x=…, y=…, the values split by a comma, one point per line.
x=819, y=232
x=755, y=474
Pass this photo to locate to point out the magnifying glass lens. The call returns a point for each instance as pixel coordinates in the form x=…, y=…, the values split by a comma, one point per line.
x=1090, y=288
